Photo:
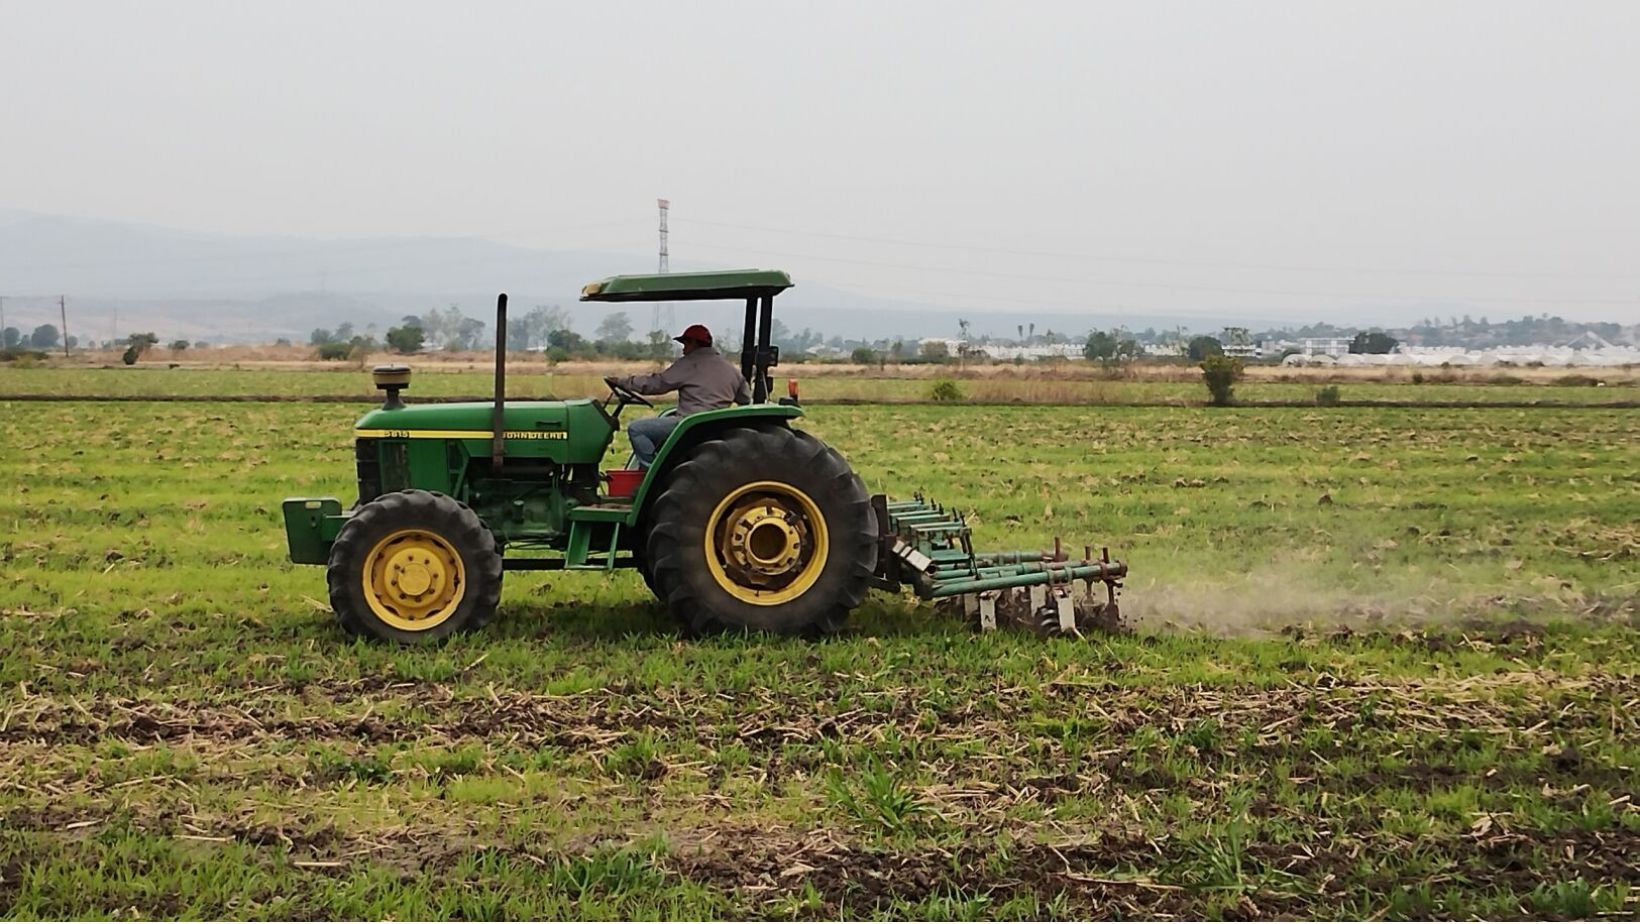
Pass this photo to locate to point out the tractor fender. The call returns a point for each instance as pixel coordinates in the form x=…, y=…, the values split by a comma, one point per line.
x=699, y=427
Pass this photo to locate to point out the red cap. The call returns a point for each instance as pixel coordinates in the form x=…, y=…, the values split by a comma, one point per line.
x=697, y=333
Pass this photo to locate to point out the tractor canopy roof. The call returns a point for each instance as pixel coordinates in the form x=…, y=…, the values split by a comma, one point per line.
x=683, y=287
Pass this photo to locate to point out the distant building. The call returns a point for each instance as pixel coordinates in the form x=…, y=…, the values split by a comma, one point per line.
x=1276, y=349
x=1008, y=353
x=1236, y=341
x=1324, y=346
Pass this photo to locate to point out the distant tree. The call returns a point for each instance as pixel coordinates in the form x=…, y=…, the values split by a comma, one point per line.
x=614, y=328
x=1203, y=346
x=44, y=337
x=897, y=350
x=1373, y=342
x=442, y=327
x=864, y=356
x=780, y=335
x=566, y=342
x=202, y=344
x=935, y=350
x=282, y=342
x=136, y=345
x=1220, y=373
x=321, y=336
x=344, y=331
x=407, y=338
x=807, y=339
x=179, y=345
x=71, y=341
x=469, y=334
x=1100, y=346
x=529, y=330
x=334, y=350
x=11, y=337
x=659, y=347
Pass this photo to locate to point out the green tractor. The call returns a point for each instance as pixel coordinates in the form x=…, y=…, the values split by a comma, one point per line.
x=742, y=521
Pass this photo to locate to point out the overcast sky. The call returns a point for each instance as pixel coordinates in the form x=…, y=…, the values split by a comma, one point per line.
x=1302, y=159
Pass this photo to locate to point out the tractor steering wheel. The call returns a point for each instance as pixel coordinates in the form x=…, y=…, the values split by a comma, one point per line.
x=624, y=395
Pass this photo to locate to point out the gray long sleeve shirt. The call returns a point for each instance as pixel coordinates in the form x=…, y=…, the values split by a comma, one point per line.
x=704, y=381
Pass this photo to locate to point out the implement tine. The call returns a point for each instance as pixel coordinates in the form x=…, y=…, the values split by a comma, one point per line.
x=988, y=610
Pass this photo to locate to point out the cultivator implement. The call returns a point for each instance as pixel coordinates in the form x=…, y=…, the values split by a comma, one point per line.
x=930, y=549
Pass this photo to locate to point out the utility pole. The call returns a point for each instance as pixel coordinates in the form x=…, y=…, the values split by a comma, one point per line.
x=3, y=321
x=62, y=308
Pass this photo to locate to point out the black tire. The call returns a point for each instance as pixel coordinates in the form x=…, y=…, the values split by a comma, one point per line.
x=472, y=597
x=720, y=469
x=640, y=560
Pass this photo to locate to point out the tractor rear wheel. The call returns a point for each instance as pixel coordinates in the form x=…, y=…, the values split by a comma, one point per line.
x=414, y=566
x=641, y=562
x=763, y=529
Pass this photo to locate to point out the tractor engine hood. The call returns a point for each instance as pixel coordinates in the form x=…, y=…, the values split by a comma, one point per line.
x=568, y=430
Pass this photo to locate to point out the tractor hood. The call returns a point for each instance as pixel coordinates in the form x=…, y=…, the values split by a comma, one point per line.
x=544, y=424
x=476, y=415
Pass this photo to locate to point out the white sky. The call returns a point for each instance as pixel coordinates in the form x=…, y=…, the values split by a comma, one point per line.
x=1306, y=160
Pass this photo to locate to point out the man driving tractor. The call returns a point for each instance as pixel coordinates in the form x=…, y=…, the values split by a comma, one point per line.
x=703, y=379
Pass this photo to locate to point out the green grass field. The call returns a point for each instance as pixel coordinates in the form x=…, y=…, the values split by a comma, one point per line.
x=1386, y=666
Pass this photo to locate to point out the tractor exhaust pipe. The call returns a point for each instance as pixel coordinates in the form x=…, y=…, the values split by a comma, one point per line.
x=498, y=438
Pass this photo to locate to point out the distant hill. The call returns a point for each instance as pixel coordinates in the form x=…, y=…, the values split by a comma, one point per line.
x=120, y=277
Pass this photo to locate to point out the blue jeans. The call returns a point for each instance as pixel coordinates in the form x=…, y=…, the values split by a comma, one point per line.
x=647, y=434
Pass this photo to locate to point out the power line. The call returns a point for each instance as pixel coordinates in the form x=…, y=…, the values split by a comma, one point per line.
x=1159, y=261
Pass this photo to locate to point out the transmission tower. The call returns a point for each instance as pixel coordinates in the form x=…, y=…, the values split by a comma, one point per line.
x=663, y=267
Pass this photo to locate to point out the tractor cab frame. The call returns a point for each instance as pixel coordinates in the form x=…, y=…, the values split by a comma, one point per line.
x=757, y=287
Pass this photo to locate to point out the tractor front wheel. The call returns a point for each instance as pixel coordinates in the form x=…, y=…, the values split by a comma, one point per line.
x=766, y=529
x=414, y=566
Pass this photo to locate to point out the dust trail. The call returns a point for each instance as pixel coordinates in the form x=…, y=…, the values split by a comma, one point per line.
x=1271, y=597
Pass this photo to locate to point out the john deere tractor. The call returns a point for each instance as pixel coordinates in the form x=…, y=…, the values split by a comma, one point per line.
x=742, y=520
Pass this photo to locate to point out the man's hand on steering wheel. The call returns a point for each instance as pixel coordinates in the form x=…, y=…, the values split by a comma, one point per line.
x=623, y=394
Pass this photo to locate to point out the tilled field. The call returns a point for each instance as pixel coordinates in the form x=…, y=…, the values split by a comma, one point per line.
x=183, y=732
x=1091, y=789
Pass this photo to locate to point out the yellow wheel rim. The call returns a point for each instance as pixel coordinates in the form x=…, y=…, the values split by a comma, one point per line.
x=766, y=543
x=414, y=580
